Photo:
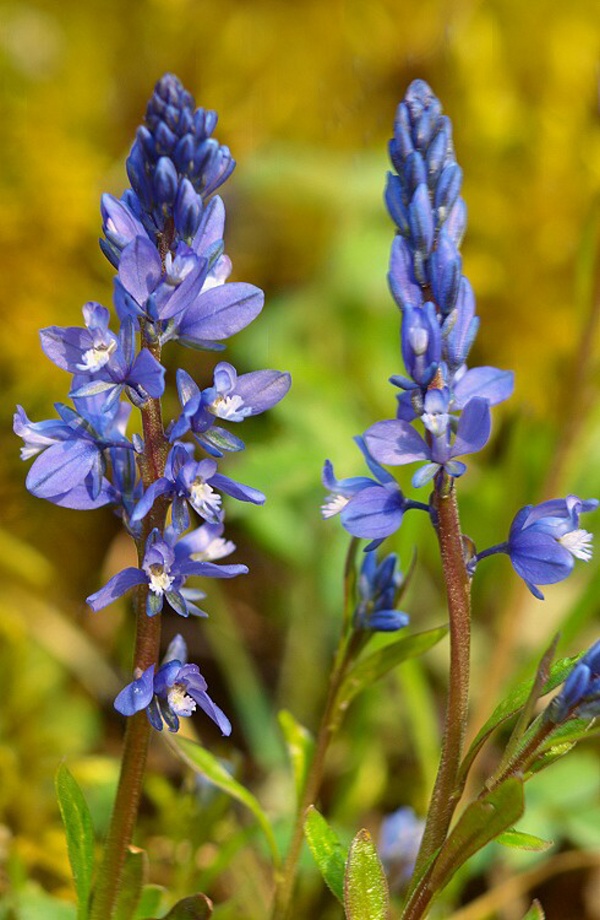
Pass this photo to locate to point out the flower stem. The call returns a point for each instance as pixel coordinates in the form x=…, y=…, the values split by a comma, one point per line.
x=137, y=732
x=446, y=792
x=347, y=649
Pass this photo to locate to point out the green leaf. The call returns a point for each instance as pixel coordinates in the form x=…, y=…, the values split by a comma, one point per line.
x=527, y=710
x=481, y=822
x=80, y=835
x=205, y=763
x=328, y=852
x=535, y=912
x=366, y=895
x=300, y=745
x=150, y=901
x=369, y=669
x=518, y=840
x=561, y=741
x=196, y=907
x=135, y=875
x=515, y=700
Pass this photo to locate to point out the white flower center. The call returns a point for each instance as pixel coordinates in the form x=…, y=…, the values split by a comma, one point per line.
x=579, y=544
x=159, y=580
x=180, y=702
x=96, y=358
x=204, y=499
x=229, y=407
x=333, y=505
x=216, y=549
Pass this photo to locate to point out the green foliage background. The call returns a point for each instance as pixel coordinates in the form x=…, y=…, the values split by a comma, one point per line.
x=306, y=94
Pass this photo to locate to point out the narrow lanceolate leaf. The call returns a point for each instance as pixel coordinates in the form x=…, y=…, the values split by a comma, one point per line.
x=370, y=668
x=80, y=835
x=366, y=895
x=527, y=710
x=328, y=852
x=535, y=912
x=135, y=876
x=300, y=745
x=203, y=762
x=481, y=822
x=517, y=840
x=512, y=705
x=149, y=905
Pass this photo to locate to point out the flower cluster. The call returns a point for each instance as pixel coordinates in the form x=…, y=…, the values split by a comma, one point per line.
x=439, y=324
x=439, y=393
x=164, y=237
x=378, y=589
x=443, y=408
x=580, y=695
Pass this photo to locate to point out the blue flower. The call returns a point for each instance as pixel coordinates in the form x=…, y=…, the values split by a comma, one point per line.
x=103, y=362
x=378, y=587
x=186, y=299
x=580, y=695
x=396, y=442
x=369, y=508
x=399, y=841
x=165, y=569
x=231, y=398
x=188, y=481
x=544, y=541
x=172, y=692
x=70, y=465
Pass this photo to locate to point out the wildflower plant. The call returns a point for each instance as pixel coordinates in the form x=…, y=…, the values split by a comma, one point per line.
x=164, y=238
x=443, y=415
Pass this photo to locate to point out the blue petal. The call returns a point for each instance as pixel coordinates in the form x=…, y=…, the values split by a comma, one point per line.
x=262, y=389
x=487, y=382
x=136, y=695
x=116, y=587
x=539, y=559
x=395, y=442
x=425, y=474
x=237, y=489
x=373, y=513
x=140, y=269
x=220, y=312
x=212, y=710
x=474, y=427
x=62, y=467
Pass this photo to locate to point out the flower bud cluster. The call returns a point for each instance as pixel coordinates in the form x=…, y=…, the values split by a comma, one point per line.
x=439, y=324
x=164, y=237
x=580, y=695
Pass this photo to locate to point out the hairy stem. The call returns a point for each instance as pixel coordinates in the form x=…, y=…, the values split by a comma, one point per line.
x=285, y=887
x=446, y=792
x=147, y=648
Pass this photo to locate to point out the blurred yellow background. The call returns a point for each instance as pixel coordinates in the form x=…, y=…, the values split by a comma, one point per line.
x=306, y=94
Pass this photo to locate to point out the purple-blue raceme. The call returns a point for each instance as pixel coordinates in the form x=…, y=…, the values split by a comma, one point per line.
x=165, y=238
x=443, y=409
